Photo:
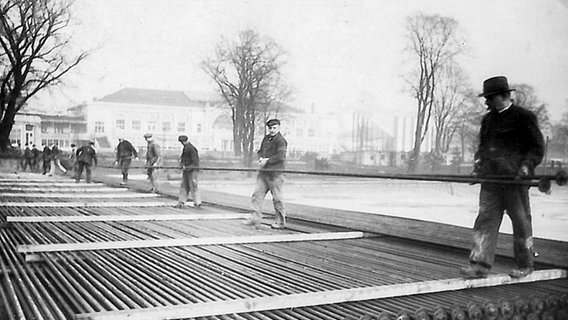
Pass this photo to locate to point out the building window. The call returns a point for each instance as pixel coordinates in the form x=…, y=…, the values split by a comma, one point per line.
x=299, y=132
x=311, y=132
x=223, y=122
x=166, y=126
x=120, y=124
x=151, y=126
x=198, y=127
x=99, y=127
x=15, y=136
x=136, y=125
x=181, y=126
x=44, y=128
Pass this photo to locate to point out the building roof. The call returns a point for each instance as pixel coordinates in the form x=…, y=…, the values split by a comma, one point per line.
x=149, y=96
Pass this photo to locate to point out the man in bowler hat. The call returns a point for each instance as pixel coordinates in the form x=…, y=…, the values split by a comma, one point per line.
x=272, y=155
x=511, y=144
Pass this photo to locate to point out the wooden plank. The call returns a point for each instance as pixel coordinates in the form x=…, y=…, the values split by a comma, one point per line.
x=81, y=196
x=214, y=308
x=89, y=246
x=88, y=204
x=551, y=251
x=64, y=189
x=50, y=183
x=116, y=218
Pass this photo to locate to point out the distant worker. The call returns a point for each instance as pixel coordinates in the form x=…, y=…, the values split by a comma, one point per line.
x=272, y=155
x=21, y=157
x=73, y=160
x=510, y=144
x=124, y=154
x=46, y=159
x=86, y=157
x=56, y=160
x=152, y=161
x=35, y=158
x=188, y=161
x=28, y=158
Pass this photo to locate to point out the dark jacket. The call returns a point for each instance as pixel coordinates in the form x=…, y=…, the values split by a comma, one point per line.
x=35, y=153
x=153, y=153
x=55, y=153
x=125, y=150
x=87, y=155
x=189, y=155
x=28, y=153
x=46, y=153
x=274, y=148
x=508, y=140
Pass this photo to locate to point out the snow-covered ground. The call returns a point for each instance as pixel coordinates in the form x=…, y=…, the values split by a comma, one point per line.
x=451, y=203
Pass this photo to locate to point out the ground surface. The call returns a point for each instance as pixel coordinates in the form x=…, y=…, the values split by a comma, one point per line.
x=450, y=203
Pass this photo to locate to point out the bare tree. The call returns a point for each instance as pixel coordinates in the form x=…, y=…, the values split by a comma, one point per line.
x=468, y=122
x=247, y=73
x=433, y=42
x=35, y=53
x=525, y=96
x=449, y=96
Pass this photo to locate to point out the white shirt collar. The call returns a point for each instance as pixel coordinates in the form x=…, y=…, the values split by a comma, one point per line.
x=507, y=107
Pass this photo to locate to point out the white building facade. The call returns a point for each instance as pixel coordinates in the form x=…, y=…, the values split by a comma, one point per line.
x=206, y=120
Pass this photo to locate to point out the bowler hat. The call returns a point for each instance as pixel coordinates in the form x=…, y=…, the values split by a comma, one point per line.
x=272, y=122
x=147, y=135
x=182, y=138
x=495, y=85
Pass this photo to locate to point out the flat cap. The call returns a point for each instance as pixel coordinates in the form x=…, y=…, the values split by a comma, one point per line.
x=147, y=135
x=272, y=122
x=182, y=138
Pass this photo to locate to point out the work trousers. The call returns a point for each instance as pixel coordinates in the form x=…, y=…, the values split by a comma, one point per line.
x=57, y=163
x=124, y=166
x=153, y=177
x=273, y=182
x=27, y=162
x=80, y=166
x=46, y=166
x=494, y=200
x=189, y=184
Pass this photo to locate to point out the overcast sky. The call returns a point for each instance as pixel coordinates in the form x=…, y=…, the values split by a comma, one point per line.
x=339, y=53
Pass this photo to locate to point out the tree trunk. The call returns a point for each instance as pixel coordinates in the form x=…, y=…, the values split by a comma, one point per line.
x=6, y=127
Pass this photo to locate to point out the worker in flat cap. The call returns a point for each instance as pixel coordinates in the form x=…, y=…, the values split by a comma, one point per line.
x=272, y=155
x=189, y=162
x=86, y=157
x=511, y=144
x=152, y=161
x=125, y=151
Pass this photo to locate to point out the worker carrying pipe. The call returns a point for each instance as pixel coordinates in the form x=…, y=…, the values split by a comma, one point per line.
x=511, y=143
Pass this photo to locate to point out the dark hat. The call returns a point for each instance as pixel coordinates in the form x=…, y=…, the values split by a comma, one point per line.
x=272, y=122
x=72, y=145
x=147, y=135
x=91, y=142
x=495, y=85
x=182, y=138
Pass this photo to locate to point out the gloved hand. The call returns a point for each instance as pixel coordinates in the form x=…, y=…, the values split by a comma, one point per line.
x=476, y=167
x=262, y=162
